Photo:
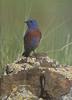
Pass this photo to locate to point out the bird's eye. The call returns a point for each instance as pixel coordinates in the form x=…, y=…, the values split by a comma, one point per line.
x=31, y=21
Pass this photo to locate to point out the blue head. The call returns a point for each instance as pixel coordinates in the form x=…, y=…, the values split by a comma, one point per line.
x=32, y=24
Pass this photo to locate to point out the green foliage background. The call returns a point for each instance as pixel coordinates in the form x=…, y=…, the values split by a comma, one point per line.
x=55, y=22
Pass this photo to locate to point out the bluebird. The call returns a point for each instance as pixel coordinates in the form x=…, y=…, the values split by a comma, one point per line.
x=32, y=37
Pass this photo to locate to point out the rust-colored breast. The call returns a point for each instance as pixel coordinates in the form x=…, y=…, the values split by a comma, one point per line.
x=30, y=35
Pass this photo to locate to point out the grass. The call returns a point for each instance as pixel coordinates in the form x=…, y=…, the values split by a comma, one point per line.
x=55, y=21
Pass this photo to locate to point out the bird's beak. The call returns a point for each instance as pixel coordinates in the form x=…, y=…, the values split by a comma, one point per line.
x=25, y=21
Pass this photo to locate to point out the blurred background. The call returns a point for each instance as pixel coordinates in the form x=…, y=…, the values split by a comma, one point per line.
x=55, y=21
